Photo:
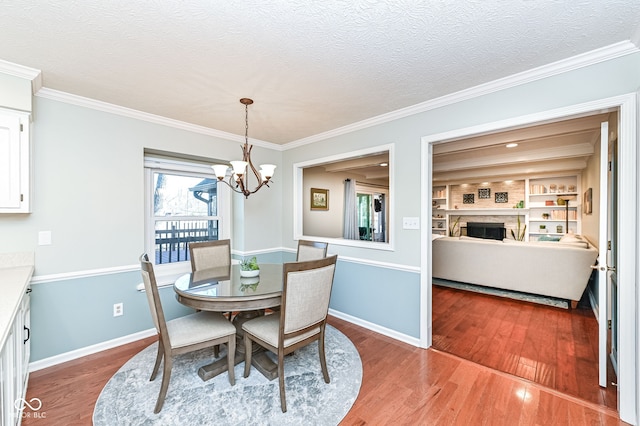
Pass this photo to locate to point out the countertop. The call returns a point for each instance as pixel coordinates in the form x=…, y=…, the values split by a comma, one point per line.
x=16, y=270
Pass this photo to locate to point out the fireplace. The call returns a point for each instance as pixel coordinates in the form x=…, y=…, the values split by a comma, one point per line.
x=491, y=231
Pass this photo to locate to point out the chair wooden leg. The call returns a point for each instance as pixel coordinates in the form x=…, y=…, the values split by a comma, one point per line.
x=247, y=354
x=231, y=357
x=156, y=367
x=283, y=402
x=166, y=376
x=323, y=359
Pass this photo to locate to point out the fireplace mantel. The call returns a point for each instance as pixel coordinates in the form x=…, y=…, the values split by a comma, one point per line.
x=487, y=212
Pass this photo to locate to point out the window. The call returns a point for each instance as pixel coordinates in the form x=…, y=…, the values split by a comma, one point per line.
x=184, y=204
x=372, y=218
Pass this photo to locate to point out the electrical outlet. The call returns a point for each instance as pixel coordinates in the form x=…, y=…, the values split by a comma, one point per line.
x=118, y=309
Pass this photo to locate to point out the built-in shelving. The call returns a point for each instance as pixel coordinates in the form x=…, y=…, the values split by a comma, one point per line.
x=543, y=205
x=551, y=201
x=439, y=218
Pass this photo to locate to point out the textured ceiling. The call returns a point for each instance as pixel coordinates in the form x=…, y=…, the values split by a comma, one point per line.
x=310, y=67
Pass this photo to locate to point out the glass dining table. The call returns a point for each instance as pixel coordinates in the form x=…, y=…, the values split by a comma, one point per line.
x=225, y=290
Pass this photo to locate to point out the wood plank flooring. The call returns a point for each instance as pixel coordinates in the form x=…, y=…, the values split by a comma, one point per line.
x=402, y=385
x=554, y=347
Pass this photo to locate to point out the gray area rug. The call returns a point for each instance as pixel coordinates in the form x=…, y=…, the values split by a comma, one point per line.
x=527, y=297
x=129, y=397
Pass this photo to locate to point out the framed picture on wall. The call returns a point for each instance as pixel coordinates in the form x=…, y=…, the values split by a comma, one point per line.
x=587, y=202
x=319, y=199
x=484, y=193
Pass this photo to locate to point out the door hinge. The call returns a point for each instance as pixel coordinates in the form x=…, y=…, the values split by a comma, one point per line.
x=609, y=324
x=21, y=198
x=608, y=245
x=609, y=165
x=21, y=127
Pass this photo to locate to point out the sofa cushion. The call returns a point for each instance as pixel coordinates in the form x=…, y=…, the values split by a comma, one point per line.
x=570, y=237
x=576, y=244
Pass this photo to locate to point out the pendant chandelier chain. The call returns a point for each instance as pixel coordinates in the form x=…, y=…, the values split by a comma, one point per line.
x=239, y=179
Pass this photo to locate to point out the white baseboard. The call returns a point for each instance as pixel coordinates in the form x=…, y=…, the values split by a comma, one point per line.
x=413, y=341
x=88, y=350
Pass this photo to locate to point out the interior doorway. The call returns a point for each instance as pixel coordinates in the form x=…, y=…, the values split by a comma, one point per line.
x=627, y=306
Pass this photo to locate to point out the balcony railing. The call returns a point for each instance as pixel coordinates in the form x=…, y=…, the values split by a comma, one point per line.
x=173, y=238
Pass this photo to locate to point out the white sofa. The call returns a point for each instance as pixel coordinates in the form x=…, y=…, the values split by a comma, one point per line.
x=556, y=269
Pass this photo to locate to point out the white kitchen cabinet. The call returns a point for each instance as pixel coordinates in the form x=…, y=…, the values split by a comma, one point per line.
x=15, y=341
x=15, y=162
x=14, y=365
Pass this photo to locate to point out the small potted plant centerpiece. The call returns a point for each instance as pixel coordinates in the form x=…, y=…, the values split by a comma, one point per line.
x=249, y=268
x=543, y=228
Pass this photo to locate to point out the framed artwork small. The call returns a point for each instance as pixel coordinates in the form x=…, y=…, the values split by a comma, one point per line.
x=468, y=198
x=319, y=199
x=502, y=197
x=587, y=201
x=484, y=193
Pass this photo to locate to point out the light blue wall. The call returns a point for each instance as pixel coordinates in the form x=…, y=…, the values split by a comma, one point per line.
x=71, y=314
x=387, y=297
x=89, y=193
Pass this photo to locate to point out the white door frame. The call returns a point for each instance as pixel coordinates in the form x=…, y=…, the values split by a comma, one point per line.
x=629, y=250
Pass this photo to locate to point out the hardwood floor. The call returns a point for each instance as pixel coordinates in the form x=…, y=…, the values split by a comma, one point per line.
x=554, y=347
x=402, y=385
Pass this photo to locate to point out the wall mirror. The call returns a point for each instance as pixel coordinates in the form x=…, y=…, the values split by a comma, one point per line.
x=345, y=199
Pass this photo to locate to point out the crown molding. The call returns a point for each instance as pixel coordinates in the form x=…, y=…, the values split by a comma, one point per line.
x=21, y=71
x=565, y=65
x=81, y=101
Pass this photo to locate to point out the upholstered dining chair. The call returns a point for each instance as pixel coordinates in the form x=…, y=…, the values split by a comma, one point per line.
x=184, y=334
x=210, y=254
x=311, y=250
x=302, y=318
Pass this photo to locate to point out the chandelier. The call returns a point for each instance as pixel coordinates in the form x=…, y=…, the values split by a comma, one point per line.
x=239, y=179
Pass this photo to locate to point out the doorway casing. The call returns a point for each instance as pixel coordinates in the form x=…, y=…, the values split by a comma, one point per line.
x=628, y=250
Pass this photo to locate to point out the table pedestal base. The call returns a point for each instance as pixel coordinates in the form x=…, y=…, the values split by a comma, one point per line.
x=259, y=358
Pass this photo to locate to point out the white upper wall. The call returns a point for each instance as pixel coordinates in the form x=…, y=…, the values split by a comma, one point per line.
x=614, y=77
x=89, y=188
x=88, y=169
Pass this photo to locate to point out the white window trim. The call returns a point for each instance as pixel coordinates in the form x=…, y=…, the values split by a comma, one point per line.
x=167, y=274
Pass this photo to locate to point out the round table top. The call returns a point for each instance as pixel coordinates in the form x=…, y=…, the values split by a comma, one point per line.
x=223, y=289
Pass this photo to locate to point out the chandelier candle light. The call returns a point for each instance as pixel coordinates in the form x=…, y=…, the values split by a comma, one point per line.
x=239, y=179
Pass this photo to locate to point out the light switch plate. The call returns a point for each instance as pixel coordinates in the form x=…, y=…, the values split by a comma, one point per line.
x=410, y=223
x=44, y=238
